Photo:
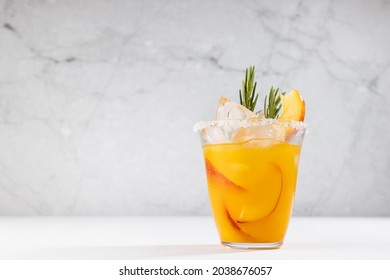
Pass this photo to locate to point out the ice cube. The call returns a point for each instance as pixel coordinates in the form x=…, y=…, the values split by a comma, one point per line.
x=229, y=110
x=213, y=135
x=262, y=135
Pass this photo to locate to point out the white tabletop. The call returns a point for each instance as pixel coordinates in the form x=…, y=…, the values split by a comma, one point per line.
x=184, y=238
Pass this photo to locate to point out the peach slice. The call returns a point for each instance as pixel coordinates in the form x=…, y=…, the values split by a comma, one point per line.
x=260, y=199
x=219, y=185
x=218, y=178
x=234, y=206
x=293, y=107
x=251, y=196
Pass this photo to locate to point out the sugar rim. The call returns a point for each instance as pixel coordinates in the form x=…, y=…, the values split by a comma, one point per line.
x=249, y=123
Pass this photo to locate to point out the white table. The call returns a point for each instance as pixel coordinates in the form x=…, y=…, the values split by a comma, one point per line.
x=184, y=238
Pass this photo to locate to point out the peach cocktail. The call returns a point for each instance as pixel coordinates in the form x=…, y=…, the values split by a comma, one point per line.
x=251, y=164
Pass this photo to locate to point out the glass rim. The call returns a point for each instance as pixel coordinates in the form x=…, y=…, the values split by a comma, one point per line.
x=298, y=125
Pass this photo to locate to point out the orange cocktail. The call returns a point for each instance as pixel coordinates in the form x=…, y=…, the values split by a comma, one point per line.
x=251, y=161
x=251, y=186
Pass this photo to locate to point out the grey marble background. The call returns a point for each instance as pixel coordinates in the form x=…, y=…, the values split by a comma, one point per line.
x=98, y=99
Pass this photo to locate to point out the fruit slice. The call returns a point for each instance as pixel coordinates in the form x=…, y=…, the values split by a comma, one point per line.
x=219, y=185
x=260, y=199
x=293, y=107
x=228, y=229
x=229, y=110
x=252, y=201
x=218, y=179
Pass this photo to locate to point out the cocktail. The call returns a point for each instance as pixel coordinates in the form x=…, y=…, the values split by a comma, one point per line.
x=251, y=162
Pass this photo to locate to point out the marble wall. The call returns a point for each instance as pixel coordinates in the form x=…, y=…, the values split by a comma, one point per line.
x=98, y=100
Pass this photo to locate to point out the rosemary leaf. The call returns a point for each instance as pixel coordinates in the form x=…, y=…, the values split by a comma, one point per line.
x=248, y=95
x=272, y=103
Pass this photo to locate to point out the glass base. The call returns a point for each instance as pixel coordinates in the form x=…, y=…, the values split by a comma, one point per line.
x=254, y=246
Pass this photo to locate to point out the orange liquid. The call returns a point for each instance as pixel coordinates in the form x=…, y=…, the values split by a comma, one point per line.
x=251, y=187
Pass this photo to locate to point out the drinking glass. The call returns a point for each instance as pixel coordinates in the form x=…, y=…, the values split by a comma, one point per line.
x=251, y=170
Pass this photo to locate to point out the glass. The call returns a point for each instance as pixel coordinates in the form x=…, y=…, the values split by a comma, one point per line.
x=251, y=169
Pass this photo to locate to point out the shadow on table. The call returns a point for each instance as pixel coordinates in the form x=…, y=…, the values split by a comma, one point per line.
x=121, y=252
x=172, y=251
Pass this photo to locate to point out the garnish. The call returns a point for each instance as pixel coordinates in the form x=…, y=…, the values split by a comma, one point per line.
x=272, y=103
x=293, y=107
x=248, y=95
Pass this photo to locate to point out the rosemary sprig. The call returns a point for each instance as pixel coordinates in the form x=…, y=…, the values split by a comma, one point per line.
x=248, y=95
x=272, y=104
